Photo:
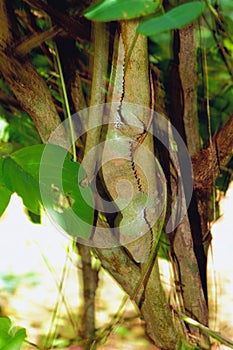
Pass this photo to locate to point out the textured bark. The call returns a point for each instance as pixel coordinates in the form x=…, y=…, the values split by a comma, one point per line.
x=28, y=87
x=31, y=92
x=36, y=40
x=188, y=77
x=206, y=166
x=93, y=136
x=189, y=283
x=90, y=282
x=74, y=28
x=34, y=97
x=69, y=58
x=207, y=162
x=154, y=309
x=192, y=231
x=6, y=28
x=120, y=266
x=158, y=315
x=98, y=94
x=198, y=210
x=189, y=261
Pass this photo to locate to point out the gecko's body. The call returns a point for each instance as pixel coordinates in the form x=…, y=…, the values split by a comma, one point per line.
x=125, y=134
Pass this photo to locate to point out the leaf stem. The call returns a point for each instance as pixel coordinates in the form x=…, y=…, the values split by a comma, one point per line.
x=32, y=344
x=66, y=103
x=222, y=339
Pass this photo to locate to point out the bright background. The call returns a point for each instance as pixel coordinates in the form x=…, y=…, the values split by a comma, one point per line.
x=32, y=262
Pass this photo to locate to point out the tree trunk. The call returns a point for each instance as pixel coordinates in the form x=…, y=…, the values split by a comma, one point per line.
x=127, y=263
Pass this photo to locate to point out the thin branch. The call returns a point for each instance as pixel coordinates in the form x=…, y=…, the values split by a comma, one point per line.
x=36, y=40
x=22, y=78
x=207, y=162
x=70, y=24
x=90, y=276
x=90, y=282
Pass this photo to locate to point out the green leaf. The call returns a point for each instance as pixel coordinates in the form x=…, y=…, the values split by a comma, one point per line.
x=5, y=193
x=34, y=218
x=5, y=148
x=46, y=175
x=16, y=340
x=5, y=196
x=5, y=325
x=22, y=130
x=174, y=19
x=164, y=247
x=111, y=10
x=19, y=178
x=11, y=338
x=69, y=204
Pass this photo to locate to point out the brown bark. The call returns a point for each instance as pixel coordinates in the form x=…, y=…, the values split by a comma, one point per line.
x=189, y=234
x=28, y=87
x=70, y=25
x=34, y=97
x=90, y=283
x=188, y=77
x=207, y=163
x=151, y=297
x=197, y=209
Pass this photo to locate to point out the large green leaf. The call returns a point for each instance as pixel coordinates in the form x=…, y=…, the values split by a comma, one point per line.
x=46, y=176
x=19, y=176
x=11, y=338
x=111, y=10
x=69, y=204
x=5, y=193
x=16, y=340
x=5, y=325
x=22, y=130
x=173, y=19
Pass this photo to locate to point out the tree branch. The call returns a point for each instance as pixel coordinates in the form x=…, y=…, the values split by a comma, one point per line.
x=35, y=40
x=207, y=162
x=98, y=94
x=73, y=27
x=27, y=85
x=92, y=140
x=90, y=282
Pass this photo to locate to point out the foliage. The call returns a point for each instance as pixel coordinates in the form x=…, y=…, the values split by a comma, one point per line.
x=173, y=19
x=108, y=10
x=11, y=338
x=21, y=132
x=5, y=193
x=25, y=164
x=10, y=281
x=34, y=186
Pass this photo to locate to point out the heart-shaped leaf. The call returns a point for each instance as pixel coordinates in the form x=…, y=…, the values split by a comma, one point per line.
x=69, y=203
x=5, y=325
x=44, y=175
x=11, y=338
x=111, y=10
x=16, y=340
x=19, y=176
x=173, y=19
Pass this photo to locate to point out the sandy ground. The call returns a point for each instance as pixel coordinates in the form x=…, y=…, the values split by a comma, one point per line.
x=34, y=257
